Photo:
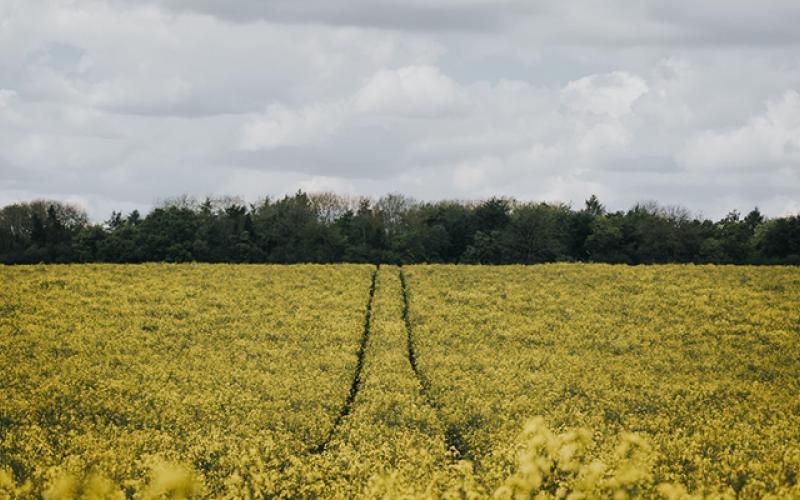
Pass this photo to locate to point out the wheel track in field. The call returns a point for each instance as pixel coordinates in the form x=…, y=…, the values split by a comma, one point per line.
x=356, y=383
x=453, y=435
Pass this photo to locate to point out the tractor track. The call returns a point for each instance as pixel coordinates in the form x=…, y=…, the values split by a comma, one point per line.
x=453, y=435
x=356, y=383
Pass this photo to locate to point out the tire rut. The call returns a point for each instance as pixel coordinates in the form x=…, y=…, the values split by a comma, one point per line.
x=356, y=383
x=453, y=435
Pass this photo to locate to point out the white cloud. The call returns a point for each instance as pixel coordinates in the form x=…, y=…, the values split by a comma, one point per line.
x=6, y=96
x=138, y=58
x=610, y=94
x=768, y=141
x=408, y=91
x=411, y=91
x=604, y=135
x=282, y=126
x=782, y=206
x=319, y=183
x=472, y=176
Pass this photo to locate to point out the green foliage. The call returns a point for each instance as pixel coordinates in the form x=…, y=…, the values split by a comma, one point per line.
x=325, y=228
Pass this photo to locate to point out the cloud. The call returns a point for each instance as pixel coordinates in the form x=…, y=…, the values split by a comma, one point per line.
x=610, y=94
x=456, y=15
x=282, y=126
x=129, y=101
x=579, y=22
x=408, y=91
x=768, y=141
x=134, y=58
x=473, y=175
x=317, y=184
x=6, y=96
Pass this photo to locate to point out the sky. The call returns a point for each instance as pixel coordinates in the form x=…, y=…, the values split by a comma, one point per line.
x=114, y=104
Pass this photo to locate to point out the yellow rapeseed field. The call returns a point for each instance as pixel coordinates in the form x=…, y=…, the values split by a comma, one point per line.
x=228, y=372
x=701, y=362
x=250, y=381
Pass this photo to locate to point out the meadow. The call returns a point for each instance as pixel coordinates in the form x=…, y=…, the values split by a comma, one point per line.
x=252, y=381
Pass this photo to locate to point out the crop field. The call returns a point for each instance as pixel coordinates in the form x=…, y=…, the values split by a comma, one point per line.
x=701, y=362
x=252, y=381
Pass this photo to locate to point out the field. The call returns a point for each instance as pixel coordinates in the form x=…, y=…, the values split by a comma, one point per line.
x=244, y=381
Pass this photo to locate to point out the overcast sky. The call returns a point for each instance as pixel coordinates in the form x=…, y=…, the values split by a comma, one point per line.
x=114, y=104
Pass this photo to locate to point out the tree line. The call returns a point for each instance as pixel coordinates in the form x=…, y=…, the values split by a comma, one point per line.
x=326, y=228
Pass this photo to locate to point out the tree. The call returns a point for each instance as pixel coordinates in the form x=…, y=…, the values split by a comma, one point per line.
x=486, y=248
x=325, y=227
x=492, y=215
x=735, y=236
x=606, y=242
x=779, y=239
x=580, y=227
x=87, y=242
x=392, y=208
x=38, y=231
x=594, y=207
x=649, y=234
x=168, y=234
x=134, y=218
x=291, y=230
x=115, y=221
x=435, y=232
x=364, y=233
x=753, y=219
x=537, y=233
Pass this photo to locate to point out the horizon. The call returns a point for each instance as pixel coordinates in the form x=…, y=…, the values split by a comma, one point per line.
x=195, y=201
